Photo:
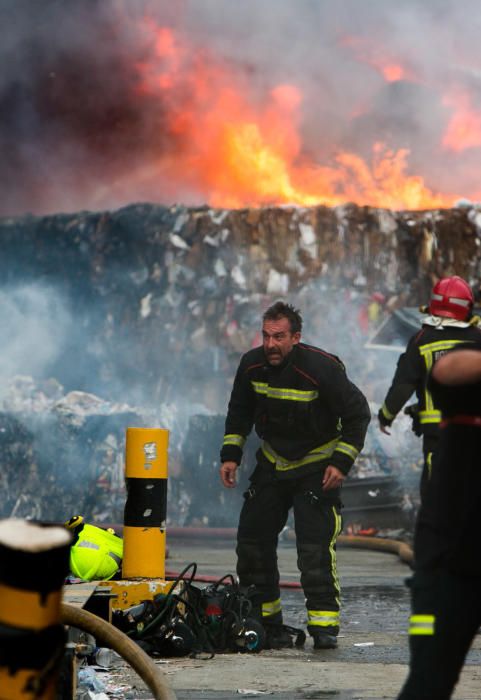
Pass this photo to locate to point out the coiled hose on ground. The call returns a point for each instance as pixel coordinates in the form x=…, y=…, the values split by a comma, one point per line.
x=380, y=544
x=111, y=637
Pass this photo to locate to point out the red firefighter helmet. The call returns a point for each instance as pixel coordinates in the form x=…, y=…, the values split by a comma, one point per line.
x=452, y=297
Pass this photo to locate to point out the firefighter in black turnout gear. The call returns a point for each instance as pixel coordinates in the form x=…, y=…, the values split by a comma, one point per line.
x=445, y=589
x=449, y=322
x=312, y=422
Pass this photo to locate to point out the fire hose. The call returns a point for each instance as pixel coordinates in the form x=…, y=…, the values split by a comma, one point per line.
x=113, y=638
x=381, y=544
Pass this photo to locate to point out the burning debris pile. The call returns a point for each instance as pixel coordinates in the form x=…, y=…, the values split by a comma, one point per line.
x=151, y=306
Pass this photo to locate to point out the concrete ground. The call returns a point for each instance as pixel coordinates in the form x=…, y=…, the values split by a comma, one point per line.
x=370, y=662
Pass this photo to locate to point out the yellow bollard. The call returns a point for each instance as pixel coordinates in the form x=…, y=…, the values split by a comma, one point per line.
x=33, y=566
x=146, y=505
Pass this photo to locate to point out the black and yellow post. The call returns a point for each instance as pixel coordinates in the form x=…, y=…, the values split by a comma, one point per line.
x=33, y=566
x=145, y=512
x=144, y=532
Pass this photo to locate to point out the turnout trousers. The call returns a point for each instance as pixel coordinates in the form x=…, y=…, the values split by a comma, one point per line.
x=317, y=525
x=446, y=614
x=429, y=445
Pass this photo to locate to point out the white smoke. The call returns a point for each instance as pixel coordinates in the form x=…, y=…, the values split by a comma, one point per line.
x=35, y=326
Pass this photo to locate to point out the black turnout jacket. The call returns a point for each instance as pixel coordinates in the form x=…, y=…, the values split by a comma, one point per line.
x=306, y=411
x=412, y=371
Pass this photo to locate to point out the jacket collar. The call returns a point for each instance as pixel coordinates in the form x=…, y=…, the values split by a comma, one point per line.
x=441, y=322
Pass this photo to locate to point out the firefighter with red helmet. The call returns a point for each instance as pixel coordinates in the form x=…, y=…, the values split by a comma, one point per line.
x=449, y=323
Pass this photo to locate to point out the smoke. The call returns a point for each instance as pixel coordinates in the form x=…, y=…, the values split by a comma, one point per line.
x=50, y=332
x=35, y=327
x=82, y=128
x=123, y=316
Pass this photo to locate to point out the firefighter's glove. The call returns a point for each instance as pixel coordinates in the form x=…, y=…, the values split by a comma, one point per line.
x=383, y=421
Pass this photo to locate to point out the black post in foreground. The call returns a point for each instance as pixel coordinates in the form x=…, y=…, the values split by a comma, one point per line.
x=33, y=566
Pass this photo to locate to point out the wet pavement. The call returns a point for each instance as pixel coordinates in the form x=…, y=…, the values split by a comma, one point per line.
x=370, y=662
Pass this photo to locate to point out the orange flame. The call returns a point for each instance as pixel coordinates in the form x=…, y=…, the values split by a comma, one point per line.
x=464, y=128
x=393, y=72
x=236, y=152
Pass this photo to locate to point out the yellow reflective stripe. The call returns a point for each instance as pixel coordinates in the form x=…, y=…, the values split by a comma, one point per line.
x=260, y=387
x=428, y=399
x=271, y=608
x=274, y=392
x=232, y=439
x=429, y=464
x=347, y=449
x=439, y=345
x=332, y=552
x=326, y=618
x=421, y=624
x=427, y=353
x=323, y=618
x=314, y=455
x=292, y=394
x=431, y=416
x=387, y=413
x=29, y=609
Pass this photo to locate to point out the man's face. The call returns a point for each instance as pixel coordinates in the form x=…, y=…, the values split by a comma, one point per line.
x=278, y=340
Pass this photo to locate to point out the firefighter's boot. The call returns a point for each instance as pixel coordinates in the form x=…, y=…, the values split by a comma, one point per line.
x=277, y=637
x=325, y=641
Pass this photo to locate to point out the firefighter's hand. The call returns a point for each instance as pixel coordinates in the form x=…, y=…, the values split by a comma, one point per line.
x=227, y=474
x=333, y=478
x=384, y=424
x=384, y=428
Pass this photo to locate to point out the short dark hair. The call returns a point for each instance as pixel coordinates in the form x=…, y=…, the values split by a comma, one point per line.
x=282, y=310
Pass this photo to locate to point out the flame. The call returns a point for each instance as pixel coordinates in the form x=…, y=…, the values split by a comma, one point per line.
x=238, y=150
x=142, y=109
x=393, y=72
x=464, y=128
